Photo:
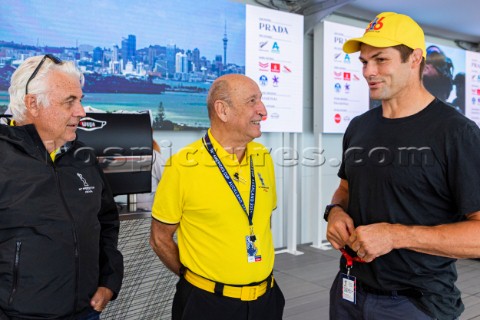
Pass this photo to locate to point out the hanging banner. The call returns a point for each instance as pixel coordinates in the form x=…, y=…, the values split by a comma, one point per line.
x=274, y=59
x=345, y=91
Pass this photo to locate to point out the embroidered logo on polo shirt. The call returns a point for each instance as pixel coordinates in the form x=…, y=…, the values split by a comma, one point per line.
x=86, y=187
x=263, y=186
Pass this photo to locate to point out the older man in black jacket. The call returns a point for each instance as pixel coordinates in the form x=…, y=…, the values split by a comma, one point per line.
x=58, y=220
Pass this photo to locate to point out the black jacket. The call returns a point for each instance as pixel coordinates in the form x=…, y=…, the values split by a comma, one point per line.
x=58, y=229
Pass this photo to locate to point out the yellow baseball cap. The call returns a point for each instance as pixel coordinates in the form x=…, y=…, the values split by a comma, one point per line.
x=389, y=29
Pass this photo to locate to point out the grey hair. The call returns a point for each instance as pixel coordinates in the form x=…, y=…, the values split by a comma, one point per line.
x=220, y=90
x=38, y=85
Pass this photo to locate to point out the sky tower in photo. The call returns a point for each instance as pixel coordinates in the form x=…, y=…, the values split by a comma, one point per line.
x=225, y=40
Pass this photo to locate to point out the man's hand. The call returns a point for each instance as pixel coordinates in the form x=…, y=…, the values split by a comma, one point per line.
x=340, y=227
x=372, y=241
x=100, y=299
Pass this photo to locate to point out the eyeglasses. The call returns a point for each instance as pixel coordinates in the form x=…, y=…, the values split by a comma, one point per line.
x=49, y=56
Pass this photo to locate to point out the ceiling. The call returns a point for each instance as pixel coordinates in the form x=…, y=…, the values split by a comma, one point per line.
x=454, y=20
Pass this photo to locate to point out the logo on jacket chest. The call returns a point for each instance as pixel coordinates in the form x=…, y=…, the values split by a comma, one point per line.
x=86, y=187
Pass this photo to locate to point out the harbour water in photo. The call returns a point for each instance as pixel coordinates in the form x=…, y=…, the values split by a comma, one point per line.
x=182, y=108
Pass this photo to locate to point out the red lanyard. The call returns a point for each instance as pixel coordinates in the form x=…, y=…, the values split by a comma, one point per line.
x=350, y=259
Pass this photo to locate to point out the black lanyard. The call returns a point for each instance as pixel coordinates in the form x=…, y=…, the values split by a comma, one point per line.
x=228, y=179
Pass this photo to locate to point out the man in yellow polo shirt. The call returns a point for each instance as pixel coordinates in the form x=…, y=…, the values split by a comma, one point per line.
x=219, y=193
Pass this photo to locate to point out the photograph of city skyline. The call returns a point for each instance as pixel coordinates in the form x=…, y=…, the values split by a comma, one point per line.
x=161, y=56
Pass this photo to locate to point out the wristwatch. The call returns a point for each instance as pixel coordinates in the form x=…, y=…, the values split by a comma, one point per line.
x=328, y=208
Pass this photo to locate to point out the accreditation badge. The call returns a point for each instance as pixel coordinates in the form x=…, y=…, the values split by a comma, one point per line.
x=349, y=288
x=253, y=253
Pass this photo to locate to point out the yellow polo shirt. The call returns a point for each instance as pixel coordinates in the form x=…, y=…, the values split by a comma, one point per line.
x=212, y=225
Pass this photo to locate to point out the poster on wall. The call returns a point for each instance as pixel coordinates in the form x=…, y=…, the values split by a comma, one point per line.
x=345, y=91
x=444, y=74
x=472, y=87
x=274, y=43
x=161, y=55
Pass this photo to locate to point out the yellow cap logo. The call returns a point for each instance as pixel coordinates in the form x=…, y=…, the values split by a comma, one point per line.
x=375, y=25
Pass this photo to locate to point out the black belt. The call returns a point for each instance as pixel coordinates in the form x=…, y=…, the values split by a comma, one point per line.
x=412, y=293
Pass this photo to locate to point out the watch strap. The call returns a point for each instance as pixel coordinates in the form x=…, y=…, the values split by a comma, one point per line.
x=328, y=208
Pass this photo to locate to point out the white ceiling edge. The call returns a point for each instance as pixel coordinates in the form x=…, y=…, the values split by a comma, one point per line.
x=366, y=15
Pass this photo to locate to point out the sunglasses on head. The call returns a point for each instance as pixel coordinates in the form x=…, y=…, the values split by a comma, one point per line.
x=49, y=56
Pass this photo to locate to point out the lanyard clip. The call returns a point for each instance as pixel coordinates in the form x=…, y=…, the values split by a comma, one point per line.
x=252, y=235
x=350, y=259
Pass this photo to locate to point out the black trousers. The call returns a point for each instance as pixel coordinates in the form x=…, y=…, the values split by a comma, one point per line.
x=371, y=306
x=192, y=303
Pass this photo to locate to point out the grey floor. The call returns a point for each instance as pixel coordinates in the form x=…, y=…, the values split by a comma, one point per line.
x=305, y=281
x=148, y=287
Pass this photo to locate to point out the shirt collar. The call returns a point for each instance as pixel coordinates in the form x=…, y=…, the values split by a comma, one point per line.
x=226, y=157
x=63, y=149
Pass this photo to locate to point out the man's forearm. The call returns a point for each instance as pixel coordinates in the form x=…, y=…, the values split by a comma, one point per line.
x=456, y=240
x=341, y=195
x=168, y=254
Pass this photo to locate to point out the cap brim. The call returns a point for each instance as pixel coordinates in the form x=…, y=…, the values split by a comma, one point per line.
x=353, y=45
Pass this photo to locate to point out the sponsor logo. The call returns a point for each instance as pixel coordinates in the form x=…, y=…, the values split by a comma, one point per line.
x=86, y=187
x=90, y=124
x=263, y=186
x=263, y=66
x=275, y=67
x=337, y=118
x=286, y=69
x=375, y=25
x=262, y=44
x=263, y=80
x=346, y=76
x=272, y=28
x=347, y=58
x=275, y=48
x=338, y=87
x=275, y=80
x=339, y=40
